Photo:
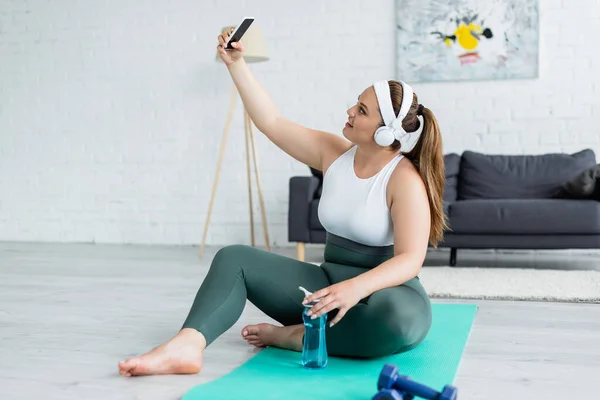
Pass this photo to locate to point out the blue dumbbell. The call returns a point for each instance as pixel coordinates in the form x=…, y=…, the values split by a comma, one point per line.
x=390, y=394
x=392, y=386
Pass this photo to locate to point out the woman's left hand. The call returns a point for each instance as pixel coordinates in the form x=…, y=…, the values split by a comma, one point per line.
x=343, y=295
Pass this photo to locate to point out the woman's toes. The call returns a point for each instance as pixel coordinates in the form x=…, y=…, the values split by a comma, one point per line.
x=126, y=366
x=250, y=330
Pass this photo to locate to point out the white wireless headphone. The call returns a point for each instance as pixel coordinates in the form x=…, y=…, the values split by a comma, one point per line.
x=393, y=130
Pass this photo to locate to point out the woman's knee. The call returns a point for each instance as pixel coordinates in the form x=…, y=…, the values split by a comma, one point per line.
x=231, y=256
x=409, y=326
x=233, y=250
x=404, y=324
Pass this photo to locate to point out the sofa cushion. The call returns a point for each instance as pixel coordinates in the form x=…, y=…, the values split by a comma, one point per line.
x=484, y=176
x=452, y=167
x=586, y=185
x=525, y=216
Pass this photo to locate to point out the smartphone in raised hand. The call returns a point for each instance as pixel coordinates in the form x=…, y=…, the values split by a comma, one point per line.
x=239, y=32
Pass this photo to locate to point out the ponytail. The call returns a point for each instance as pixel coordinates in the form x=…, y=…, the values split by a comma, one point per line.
x=428, y=157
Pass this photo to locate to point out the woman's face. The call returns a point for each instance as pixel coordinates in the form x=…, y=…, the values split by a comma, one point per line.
x=363, y=118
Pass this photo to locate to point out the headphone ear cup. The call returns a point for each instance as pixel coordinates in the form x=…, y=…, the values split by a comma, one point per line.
x=384, y=136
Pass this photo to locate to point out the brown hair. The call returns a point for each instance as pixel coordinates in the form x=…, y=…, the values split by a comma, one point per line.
x=427, y=156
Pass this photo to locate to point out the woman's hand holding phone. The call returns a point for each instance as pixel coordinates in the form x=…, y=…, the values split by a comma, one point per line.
x=229, y=56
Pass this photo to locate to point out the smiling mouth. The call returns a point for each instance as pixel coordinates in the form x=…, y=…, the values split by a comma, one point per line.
x=348, y=124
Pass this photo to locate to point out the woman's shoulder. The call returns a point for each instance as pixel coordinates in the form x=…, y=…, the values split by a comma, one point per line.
x=405, y=169
x=405, y=176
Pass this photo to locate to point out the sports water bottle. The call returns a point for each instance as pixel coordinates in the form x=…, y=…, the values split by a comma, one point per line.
x=314, y=348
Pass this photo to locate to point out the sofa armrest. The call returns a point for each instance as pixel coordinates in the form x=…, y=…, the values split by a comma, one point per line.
x=302, y=192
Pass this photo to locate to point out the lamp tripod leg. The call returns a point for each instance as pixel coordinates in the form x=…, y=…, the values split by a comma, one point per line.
x=219, y=163
x=259, y=187
x=247, y=128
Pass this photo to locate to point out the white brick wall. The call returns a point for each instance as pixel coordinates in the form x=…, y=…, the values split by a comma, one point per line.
x=111, y=114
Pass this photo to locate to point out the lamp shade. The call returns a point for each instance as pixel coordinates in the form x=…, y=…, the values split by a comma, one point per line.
x=255, y=48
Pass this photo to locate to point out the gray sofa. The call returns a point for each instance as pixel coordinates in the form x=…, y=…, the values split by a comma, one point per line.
x=545, y=201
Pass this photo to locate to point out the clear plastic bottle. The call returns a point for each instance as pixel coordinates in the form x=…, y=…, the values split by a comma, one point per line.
x=314, y=348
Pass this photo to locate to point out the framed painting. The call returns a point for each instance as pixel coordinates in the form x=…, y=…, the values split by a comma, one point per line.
x=457, y=40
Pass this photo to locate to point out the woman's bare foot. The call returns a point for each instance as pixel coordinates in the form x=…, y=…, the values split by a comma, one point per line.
x=285, y=337
x=180, y=355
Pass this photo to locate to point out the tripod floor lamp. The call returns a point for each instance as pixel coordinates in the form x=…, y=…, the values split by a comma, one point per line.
x=254, y=51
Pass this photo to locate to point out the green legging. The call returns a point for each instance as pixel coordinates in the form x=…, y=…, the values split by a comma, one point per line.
x=389, y=321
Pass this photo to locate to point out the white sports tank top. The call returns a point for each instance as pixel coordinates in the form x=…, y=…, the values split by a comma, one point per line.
x=356, y=208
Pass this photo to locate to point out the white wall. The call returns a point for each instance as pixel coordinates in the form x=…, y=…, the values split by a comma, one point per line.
x=111, y=114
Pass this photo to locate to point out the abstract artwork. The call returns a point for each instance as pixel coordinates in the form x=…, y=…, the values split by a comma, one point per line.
x=458, y=40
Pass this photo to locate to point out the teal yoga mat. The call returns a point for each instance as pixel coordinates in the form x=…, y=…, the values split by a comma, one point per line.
x=278, y=374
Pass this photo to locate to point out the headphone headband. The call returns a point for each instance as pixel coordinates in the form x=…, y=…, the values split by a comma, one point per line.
x=382, y=91
x=392, y=129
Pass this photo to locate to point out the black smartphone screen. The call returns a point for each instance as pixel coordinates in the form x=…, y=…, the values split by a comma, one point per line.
x=239, y=33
